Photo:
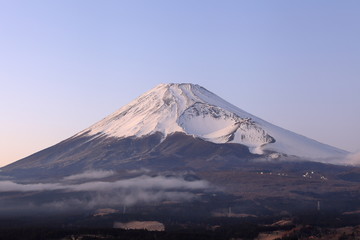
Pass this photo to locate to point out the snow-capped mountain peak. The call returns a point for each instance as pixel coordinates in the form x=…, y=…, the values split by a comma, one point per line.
x=193, y=110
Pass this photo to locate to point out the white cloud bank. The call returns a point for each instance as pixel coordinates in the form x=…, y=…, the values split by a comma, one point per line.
x=142, y=182
x=91, y=175
x=95, y=193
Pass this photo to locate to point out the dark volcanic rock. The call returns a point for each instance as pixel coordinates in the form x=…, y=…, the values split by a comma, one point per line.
x=177, y=152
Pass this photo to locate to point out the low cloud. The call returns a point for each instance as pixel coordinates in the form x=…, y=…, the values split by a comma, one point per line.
x=140, y=170
x=119, y=199
x=353, y=159
x=9, y=186
x=142, y=182
x=90, y=175
x=91, y=194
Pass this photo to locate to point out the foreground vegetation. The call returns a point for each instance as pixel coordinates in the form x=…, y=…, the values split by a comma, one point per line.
x=315, y=225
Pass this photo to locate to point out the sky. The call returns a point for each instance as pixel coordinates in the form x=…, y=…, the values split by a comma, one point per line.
x=65, y=65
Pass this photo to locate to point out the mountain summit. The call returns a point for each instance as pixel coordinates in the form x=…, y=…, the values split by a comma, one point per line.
x=195, y=111
x=182, y=126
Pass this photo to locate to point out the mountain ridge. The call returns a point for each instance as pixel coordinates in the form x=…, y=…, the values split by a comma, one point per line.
x=193, y=110
x=161, y=128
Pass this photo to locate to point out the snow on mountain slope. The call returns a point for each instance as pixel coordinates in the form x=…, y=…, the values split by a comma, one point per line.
x=193, y=110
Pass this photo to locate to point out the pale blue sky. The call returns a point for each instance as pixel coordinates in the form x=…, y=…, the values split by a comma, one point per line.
x=67, y=64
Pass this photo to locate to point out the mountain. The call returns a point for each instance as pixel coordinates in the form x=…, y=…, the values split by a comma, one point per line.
x=181, y=153
x=195, y=111
x=173, y=126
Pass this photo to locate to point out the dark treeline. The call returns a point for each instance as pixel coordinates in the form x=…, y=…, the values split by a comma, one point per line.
x=244, y=231
x=313, y=224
